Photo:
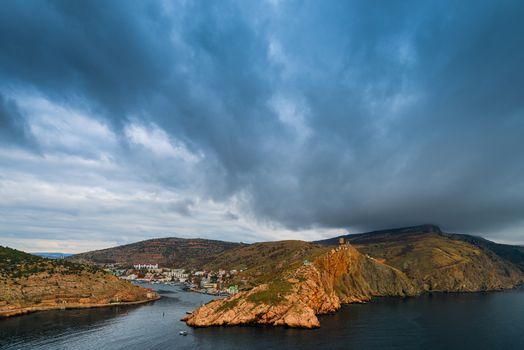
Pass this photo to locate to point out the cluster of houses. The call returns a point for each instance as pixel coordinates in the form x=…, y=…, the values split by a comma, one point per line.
x=209, y=282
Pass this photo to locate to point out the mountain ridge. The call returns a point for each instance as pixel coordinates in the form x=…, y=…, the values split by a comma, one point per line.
x=182, y=252
x=151, y=250
x=511, y=253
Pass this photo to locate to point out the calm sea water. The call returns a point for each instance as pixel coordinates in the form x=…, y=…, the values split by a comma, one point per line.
x=443, y=321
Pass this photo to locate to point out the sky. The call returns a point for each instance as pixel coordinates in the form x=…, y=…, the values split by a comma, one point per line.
x=258, y=120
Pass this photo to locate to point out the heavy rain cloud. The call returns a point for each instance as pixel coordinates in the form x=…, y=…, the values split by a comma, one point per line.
x=248, y=121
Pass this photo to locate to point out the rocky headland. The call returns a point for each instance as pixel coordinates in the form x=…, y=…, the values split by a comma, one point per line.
x=294, y=299
x=29, y=283
x=406, y=264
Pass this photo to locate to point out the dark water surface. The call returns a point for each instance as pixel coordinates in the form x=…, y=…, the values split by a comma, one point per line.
x=443, y=321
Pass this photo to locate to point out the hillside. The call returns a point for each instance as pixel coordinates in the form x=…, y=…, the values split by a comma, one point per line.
x=437, y=261
x=511, y=253
x=30, y=283
x=260, y=262
x=283, y=290
x=297, y=294
x=382, y=235
x=173, y=252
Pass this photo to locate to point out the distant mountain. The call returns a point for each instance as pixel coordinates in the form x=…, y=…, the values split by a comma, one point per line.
x=382, y=235
x=403, y=238
x=172, y=252
x=32, y=283
x=52, y=255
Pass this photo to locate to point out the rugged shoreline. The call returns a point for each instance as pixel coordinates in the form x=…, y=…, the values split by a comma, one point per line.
x=344, y=276
x=257, y=324
x=27, y=310
x=297, y=297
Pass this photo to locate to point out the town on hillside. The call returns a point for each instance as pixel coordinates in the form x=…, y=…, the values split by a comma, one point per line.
x=208, y=282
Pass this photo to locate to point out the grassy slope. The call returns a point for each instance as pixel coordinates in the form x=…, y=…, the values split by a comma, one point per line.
x=510, y=253
x=438, y=261
x=263, y=262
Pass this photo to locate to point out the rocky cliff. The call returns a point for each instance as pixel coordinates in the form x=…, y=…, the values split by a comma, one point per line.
x=403, y=262
x=296, y=297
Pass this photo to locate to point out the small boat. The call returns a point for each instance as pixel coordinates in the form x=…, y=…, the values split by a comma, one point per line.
x=182, y=333
x=188, y=312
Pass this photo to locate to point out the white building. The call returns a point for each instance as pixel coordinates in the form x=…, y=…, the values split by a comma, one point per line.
x=146, y=266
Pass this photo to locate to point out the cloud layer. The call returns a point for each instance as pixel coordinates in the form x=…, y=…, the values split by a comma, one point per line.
x=249, y=121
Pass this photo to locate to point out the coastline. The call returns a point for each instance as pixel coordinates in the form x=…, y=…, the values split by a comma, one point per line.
x=343, y=276
x=31, y=309
x=354, y=326
x=345, y=304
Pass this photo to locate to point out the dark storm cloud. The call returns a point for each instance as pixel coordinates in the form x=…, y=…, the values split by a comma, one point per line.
x=109, y=53
x=449, y=156
x=13, y=128
x=330, y=114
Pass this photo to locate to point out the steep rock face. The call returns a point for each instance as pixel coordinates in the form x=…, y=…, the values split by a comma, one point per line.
x=246, y=308
x=354, y=277
x=297, y=296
